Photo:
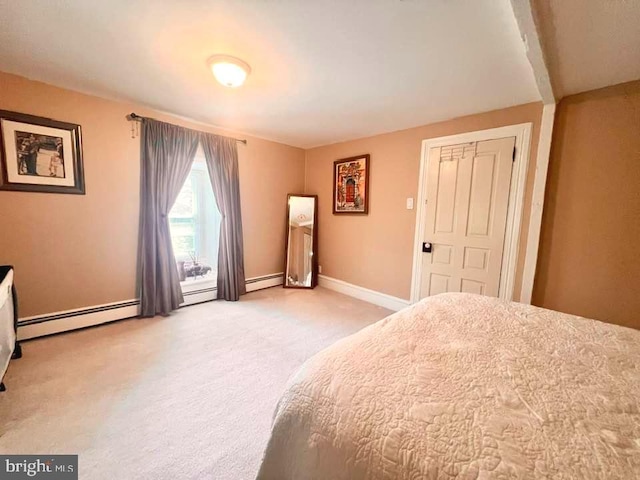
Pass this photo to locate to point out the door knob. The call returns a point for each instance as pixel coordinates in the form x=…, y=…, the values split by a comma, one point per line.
x=426, y=247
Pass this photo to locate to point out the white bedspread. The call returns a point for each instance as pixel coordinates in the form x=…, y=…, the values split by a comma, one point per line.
x=466, y=387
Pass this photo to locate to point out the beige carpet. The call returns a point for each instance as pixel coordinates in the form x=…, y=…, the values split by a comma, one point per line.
x=189, y=396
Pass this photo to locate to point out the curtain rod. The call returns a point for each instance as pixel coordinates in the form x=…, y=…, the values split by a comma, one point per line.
x=134, y=117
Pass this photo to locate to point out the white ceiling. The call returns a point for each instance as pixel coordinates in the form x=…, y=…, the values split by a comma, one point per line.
x=323, y=70
x=301, y=210
x=590, y=44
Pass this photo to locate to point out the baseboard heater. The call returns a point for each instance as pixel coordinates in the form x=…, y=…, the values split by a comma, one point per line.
x=58, y=322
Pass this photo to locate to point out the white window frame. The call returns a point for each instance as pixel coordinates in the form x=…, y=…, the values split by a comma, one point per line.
x=201, y=289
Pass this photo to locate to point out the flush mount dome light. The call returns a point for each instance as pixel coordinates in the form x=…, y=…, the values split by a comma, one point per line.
x=229, y=71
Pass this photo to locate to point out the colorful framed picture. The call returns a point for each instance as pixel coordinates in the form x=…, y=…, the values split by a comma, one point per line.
x=40, y=155
x=351, y=185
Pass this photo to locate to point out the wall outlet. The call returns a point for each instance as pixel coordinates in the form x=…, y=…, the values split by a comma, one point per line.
x=319, y=268
x=410, y=203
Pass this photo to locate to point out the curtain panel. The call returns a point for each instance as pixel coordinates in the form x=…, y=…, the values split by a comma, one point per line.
x=167, y=152
x=221, y=154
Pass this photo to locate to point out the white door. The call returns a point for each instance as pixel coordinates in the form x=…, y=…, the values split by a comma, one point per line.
x=466, y=215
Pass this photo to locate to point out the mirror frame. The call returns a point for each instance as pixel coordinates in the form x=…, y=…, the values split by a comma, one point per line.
x=314, y=262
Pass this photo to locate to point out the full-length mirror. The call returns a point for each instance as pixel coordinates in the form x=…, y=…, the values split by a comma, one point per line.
x=301, y=245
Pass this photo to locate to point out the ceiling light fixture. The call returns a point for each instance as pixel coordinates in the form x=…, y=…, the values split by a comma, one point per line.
x=229, y=71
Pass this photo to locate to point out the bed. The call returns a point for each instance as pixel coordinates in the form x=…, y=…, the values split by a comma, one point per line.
x=467, y=387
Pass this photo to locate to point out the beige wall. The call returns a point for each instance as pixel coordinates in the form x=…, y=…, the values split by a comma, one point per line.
x=376, y=251
x=74, y=251
x=589, y=262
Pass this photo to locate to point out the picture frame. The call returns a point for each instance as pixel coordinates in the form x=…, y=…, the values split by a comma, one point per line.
x=351, y=185
x=40, y=154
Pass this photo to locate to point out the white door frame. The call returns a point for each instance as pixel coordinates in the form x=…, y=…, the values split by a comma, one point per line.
x=522, y=132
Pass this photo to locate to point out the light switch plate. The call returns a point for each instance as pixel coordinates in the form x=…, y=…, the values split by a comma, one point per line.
x=410, y=203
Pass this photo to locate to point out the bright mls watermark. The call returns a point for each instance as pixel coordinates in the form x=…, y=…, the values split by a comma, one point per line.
x=53, y=467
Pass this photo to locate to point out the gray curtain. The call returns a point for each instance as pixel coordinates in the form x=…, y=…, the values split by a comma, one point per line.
x=222, y=162
x=167, y=152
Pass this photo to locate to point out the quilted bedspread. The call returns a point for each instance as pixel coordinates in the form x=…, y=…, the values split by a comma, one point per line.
x=466, y=387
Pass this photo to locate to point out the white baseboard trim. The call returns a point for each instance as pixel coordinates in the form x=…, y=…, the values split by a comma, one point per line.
x=58, y=322
x=371, y=296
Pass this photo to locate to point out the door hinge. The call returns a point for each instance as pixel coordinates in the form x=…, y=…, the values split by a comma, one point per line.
x=513, y=157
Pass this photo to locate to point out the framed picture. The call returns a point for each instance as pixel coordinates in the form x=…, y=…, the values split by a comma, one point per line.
x=40, y=155
x=351, y=185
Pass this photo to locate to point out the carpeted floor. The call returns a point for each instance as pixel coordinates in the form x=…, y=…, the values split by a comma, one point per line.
x=189, y=396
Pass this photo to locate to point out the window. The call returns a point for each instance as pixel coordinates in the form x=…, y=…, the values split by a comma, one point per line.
x=194, y=221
